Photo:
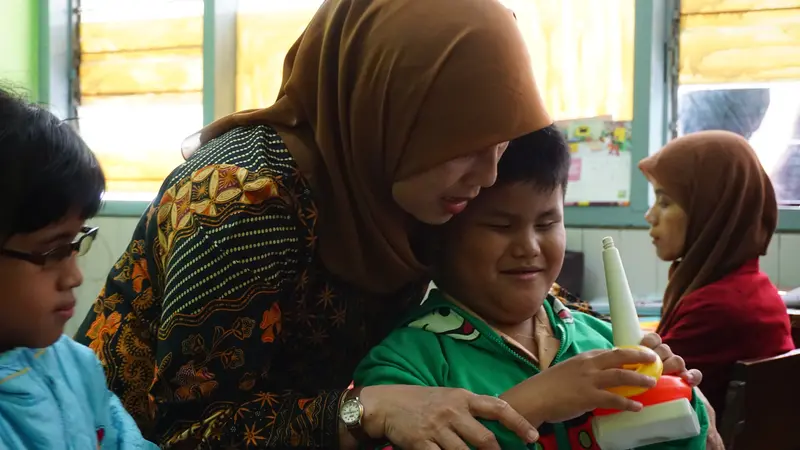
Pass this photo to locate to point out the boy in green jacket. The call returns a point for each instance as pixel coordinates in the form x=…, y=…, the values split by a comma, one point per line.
x=492, y=323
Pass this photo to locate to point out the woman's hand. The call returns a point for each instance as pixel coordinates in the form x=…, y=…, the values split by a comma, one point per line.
x=578, y=385
x=673, y=364
x=433, y=418
x=714, y=439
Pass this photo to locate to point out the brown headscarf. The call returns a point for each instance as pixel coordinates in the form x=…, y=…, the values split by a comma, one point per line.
x=375, y=91
x=716, y=177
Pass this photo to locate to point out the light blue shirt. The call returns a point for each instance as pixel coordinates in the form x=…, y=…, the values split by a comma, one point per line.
x=56, y=399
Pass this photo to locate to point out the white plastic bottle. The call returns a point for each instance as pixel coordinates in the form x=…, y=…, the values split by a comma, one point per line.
x=624, y=320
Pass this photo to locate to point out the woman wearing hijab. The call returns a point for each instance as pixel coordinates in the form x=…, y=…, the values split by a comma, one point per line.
x=714, y=215
x=283, y=249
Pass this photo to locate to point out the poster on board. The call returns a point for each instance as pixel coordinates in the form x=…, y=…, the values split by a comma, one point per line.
x=600, y=170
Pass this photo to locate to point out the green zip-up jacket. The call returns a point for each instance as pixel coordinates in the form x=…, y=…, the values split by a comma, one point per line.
x=443, y=345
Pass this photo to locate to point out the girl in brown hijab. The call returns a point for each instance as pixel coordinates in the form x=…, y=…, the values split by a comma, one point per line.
x=714, y=216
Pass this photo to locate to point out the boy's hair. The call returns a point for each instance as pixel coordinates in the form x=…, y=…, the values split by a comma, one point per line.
x=540, y=158
x=46, y=170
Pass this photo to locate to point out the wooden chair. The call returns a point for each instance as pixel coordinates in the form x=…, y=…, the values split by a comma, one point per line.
x=763, y=404
x=794, y=318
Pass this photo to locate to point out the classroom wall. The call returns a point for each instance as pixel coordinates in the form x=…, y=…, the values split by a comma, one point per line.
x=18, y=44
x=646, y=274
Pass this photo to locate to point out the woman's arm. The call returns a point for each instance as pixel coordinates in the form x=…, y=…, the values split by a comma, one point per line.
x=190, y=318
x=122, y=325
x=122, y=433
x=404, y=379
x=714, y=439
x=115, y=428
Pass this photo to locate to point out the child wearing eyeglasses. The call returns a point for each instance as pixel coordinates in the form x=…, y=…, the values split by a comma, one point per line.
x=52, y=389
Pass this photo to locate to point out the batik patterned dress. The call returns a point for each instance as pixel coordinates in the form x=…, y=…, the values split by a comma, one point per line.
x=219, y=326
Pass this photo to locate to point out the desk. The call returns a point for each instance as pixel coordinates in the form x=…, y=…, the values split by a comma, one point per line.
x=649, y=323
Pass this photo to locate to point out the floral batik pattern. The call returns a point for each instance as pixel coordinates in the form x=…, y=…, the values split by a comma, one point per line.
x=218, y=326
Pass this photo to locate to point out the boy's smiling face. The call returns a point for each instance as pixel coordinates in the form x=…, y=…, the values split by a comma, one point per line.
x=504, y=252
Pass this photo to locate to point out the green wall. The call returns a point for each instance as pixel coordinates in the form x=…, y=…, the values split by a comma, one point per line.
x=19, y=44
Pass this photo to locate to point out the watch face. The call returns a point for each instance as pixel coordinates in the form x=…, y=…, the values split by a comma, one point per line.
x=350, y=412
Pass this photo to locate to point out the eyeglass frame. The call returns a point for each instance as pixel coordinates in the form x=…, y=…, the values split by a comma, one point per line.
x=41, y=259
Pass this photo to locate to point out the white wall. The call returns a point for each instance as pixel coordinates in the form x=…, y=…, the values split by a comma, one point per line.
x=646, y=274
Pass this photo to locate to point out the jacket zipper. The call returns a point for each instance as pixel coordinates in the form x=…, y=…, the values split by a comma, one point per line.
x=61, y=409
x=561, y=349
x=558, y=428
x=50, y=383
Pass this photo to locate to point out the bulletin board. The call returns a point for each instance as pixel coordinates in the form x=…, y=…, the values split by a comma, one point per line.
x=600, y=169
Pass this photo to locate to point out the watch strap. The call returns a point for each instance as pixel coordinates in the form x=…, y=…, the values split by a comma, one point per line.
x=357, y=431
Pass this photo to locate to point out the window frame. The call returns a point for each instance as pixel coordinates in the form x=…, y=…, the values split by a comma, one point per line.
x=788, y=217
x=650, y=103
x=55, y=25
x=650, y=113
x=56, y=69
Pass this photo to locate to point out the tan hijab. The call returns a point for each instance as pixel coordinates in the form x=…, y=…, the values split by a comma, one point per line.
x=375, y=91
x=716, y=177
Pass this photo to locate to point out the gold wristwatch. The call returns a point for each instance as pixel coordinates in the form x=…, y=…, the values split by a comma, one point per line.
x=351, y=413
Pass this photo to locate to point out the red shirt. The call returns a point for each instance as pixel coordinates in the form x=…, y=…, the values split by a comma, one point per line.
x=736, y=318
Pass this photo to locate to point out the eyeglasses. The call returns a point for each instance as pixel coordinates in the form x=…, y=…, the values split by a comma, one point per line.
x=80, y=246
